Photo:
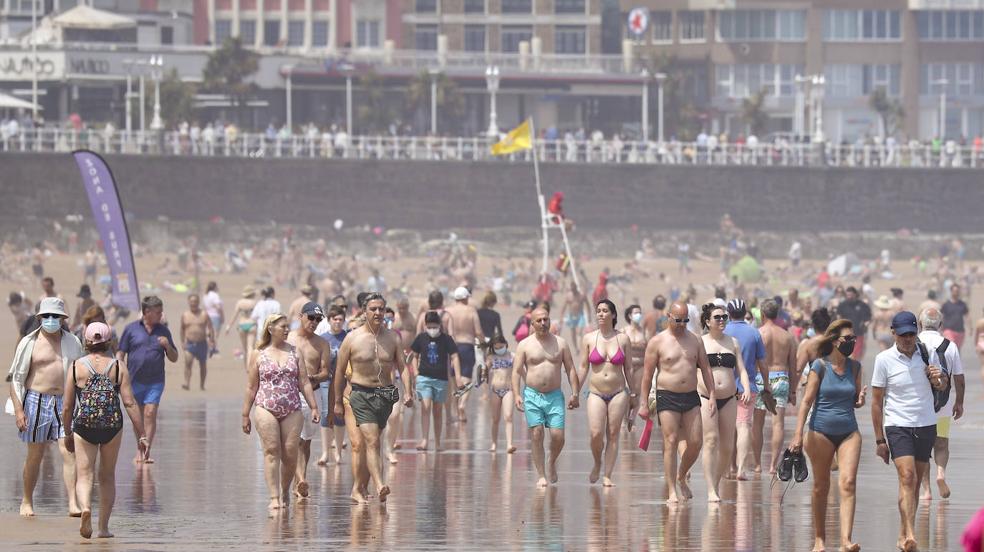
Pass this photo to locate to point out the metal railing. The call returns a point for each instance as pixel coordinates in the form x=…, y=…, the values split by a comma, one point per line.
x=341, y=146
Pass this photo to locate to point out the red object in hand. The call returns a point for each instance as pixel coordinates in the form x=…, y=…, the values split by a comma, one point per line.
x=647, y=433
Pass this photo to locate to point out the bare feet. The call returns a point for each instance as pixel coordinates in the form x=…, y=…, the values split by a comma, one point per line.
x=818, y=546
x=27, y=510
x=74, y=514
x=274, y=504
x=492, y=448
x=185, y=387
x=422, y=446
x=850, y=547
x=672, y=498
x=302, y=489
x=384, y=491
x=323, y=461
x=397, y=446
x=595, y=472
x=910, y=545
x=606, y=482
x=926, y=494
x=552, y=472
x=359, y=498
x=758, y=469
x=742, y=476
x=148, y=460
x=685, y=490
x=541, y=483
x=338, y=457
x=85, y=528
x=104, y=534
x=392, y=458
x=944, y=488
x=511, y=449
x=713, y=498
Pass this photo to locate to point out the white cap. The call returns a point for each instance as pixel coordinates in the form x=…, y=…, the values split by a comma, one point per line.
x=461, y=293
x=52, y=305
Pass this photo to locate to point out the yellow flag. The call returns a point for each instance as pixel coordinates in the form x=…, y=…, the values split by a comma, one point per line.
x=518, y=139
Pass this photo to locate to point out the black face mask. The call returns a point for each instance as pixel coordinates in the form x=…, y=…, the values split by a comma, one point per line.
x=846, y=348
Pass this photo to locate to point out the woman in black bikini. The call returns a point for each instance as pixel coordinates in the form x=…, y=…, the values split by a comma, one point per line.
x=104, y=442
x=606, y=357
x=724, y=356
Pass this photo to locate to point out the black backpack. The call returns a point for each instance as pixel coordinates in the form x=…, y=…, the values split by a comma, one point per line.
x=940, y=396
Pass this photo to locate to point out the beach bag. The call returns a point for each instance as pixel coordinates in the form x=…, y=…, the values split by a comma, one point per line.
x=940, y=396
x=98, y=405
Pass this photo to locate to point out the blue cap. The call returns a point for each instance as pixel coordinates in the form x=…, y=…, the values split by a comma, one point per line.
x=904, y=323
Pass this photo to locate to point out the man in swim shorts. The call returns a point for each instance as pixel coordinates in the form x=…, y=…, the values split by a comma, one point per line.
x=198, y=337
x=144, y=345
x=317, y=355
x=780, y=357
x=572, y=312
x=537, y=363
x=375, y=352
x=677, y=354
x=467, y=327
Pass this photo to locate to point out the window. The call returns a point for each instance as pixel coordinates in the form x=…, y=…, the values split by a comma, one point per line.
x=569, y=40
x=474, y=38
x=957, y=79
x=569, y=6
x=319, y=33
x=662, y=24
x=271, y=33
x=295, y=33
x=367, y=33
x=247, y=31
x=474, y=6
x=512, y=35
x=425, y=37
x=223, y=30
x=951, y=25
x=167, y=34
x=861, y=25
x=517, y=6
x=744, y=80
x=752, y=25
x=425, y=6
x=855, y=80
x=691, y=26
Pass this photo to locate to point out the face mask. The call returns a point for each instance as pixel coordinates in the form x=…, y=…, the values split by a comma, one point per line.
x=637, y=317
x=811, y=332
x=433, y=332
x=846, y=348
x=388, y=322
x=51, y=325
x=501, y=350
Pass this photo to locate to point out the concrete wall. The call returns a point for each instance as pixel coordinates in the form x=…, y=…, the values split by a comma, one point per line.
x=435, y=195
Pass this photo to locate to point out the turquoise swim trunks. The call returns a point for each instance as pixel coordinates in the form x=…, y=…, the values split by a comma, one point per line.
x=546, y=409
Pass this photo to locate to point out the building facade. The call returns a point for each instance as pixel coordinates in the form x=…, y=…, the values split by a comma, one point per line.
x=823, y=59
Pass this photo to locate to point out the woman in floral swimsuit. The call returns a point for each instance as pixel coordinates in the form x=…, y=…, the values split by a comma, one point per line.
x=276, y=377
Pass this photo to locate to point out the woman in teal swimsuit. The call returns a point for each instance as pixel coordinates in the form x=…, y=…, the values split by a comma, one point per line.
x=606, y=356
x=245, y=325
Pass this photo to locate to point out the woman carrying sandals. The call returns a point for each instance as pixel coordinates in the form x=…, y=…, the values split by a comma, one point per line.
x=833, y=391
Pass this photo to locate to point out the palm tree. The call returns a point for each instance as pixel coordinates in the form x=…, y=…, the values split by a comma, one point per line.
x=753, y=112
x=450, y=101
x=228, y=71
x=889, y=109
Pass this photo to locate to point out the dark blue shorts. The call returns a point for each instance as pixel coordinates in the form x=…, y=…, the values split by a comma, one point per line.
x=147, y=393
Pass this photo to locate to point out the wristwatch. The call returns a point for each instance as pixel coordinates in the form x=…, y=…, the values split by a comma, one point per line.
x=633, y=395
x=880, y=442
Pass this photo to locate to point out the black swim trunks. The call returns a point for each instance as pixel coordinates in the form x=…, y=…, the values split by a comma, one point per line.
x=373, y=405
x=677, y=402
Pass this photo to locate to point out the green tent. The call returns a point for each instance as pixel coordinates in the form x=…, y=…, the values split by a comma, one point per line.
x=746, y=269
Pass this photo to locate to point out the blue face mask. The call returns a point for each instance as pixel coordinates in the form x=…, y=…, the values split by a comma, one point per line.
x=811, y=332
x=51, y=325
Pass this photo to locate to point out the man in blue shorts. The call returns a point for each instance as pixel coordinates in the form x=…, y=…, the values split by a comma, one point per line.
x=143, y=346
x=538, y=360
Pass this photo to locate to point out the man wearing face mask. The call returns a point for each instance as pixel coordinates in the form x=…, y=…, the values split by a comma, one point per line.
x=431, y=351
x=41, y=361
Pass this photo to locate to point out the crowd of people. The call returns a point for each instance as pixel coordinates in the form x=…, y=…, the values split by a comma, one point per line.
x=339, y=362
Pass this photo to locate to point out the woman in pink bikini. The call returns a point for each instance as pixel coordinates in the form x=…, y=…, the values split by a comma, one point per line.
x=606, y=358
x=275, y=379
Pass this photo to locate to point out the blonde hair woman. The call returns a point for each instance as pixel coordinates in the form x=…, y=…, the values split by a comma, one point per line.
x=276, y=379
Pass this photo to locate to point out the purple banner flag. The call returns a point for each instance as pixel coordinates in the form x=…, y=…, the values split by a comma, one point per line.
x=108, y=214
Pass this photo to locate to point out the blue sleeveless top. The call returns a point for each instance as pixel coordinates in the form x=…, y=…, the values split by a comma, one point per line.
x=833, y=411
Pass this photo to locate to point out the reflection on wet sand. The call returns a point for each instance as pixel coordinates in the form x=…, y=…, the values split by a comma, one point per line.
x=207, y=488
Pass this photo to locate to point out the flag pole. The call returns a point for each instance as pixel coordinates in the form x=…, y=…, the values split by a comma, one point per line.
x=542, y=203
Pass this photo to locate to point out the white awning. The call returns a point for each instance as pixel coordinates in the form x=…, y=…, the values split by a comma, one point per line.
x=10, y=102
x=85, y=17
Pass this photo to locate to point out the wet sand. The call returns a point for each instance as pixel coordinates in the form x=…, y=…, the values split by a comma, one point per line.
x=207, y=488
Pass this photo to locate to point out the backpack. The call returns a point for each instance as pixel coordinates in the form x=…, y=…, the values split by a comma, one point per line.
x=940, y=396
x=98, y=404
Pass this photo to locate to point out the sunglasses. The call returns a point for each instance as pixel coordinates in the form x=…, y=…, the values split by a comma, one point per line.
x=720, y=317
x=681, y=320
x=315, y=318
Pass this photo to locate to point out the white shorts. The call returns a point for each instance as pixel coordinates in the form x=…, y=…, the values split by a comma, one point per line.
x=309, y=429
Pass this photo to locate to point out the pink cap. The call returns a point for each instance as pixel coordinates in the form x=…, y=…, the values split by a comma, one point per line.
x=97, y=332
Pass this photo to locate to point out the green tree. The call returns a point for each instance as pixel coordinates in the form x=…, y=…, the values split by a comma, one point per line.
x=450, y=101
x=682, y=117
x=177, y=99
x=753, y=112
x=889, y=109
x=374, y=113
x=228, y=72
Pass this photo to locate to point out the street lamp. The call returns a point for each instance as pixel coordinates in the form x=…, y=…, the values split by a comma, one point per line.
x=157, y=63
x=942, y=83
x=346, y=69
x=492, y=81
x=660, y=79
x=289, y=99
x=817, y=81
x=645, y=105
x=433, y=77
x=799, y=118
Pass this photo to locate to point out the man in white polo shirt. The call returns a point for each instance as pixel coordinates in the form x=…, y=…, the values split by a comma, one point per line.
x=931, y=320
x=903, y=417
